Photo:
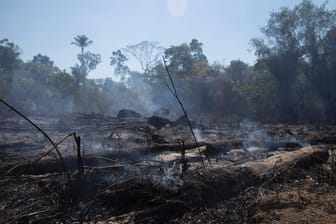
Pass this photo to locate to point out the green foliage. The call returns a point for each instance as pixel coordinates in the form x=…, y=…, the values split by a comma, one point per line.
x=87, y=61
x=82, y=41
x=39, y=82
x=9, y=62
x=41, y=69
x=294, y=46
x=187, y=61
x=64, y=83
x=118, y=60
x=236, y=72
x=9, y=56
x=180, y=60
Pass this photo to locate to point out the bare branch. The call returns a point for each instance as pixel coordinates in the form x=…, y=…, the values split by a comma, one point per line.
x=44, y=134
x=184, y=112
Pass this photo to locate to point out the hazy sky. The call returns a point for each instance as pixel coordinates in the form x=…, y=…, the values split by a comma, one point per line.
x=48, y=26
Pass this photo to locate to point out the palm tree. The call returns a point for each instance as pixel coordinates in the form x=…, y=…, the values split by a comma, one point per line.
x=82, y=41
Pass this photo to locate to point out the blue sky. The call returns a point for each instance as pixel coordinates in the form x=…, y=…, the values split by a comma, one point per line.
x=48, y=27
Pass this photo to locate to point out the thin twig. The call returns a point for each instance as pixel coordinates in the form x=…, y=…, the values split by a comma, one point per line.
x=79, y=158
x=41, y=156
x=17, y=218
x=174, y=92
x=45, y=135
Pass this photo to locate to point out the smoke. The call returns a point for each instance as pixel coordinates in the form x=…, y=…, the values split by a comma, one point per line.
x=198, y=135
x=254, y=149
x=96, y=147
x=170, y=179
x=59, y=94
x=144, y=93
x=253, y=132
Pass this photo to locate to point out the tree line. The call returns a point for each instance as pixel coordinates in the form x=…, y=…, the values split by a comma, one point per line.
x=293, y=78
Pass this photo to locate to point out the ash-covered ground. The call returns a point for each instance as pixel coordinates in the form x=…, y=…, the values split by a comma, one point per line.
x=140, y=170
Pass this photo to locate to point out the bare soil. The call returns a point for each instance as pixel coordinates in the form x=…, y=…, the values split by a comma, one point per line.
x=129, y=179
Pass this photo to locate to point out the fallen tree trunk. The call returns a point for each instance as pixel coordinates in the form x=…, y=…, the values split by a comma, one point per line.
x=304, y=158
x=218, y=146
x=221, y=183
x=213, y=148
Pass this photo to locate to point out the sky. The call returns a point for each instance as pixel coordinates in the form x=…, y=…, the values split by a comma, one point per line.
x=225, y=27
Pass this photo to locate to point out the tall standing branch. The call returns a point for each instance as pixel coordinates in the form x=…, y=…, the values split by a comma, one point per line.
x=174, y=93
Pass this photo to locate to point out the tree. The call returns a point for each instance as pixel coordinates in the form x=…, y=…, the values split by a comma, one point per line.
x=64, y=83
x=79, y=74
x=216, y=69
x=180, y=60
x=88, y=61
x=9, y=55
x=118, y=60
x=82, y=41
x=187, y=61
x=282, y=45
x=41, y=69
x=292, y=49
x=329, y=49
x=196, y=49
x=314, y=22
x=236, y=71
x=189, y=68
x=9, y=62
x=146, y=53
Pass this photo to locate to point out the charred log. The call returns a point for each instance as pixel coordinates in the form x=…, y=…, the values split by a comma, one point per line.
x=124, y=114
x=159, y=122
